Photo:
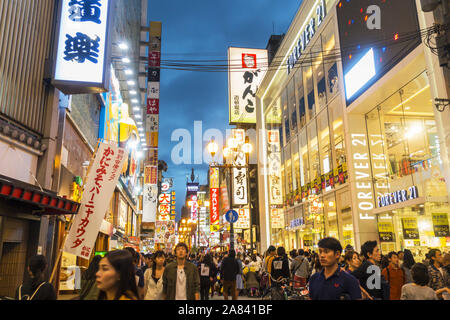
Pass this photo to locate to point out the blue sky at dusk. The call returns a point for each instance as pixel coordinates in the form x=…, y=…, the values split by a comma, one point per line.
x=204, y=29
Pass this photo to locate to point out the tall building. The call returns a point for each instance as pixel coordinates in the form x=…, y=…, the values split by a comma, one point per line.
x=352, y=145
x=47, y=138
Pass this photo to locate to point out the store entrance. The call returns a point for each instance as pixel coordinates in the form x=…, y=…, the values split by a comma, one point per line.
x=418, y=228
x=13, y=254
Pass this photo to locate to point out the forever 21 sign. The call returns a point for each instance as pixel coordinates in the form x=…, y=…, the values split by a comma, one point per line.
x=397, y=197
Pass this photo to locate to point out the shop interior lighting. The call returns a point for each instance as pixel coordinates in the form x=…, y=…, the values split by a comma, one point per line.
x=137, y=116
x=410, y=98
x=413, y=131
x=134, y=100
x=137, y=109
x=128, y=72
x=123, y=46
x=133, y=92
x=424, y=226
x=131, y=83
x=126, y=60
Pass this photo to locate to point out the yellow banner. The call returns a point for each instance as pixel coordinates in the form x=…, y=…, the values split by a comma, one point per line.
x=440, y=224
x=385, y=227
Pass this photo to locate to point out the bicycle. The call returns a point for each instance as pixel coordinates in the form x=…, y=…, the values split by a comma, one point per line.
x=284, y=290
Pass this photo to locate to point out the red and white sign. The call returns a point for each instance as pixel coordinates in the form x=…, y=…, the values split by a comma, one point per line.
x=153, y=106
x=98, y=190
x=249, y=61
x=214, y=205
x=154, y=59
x=164, y=207
x=194, y=207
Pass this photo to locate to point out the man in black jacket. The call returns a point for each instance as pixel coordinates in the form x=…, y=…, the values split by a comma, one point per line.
x=369, y=273
x=228, y=272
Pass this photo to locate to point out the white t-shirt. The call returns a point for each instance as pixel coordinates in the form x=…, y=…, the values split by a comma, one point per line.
x=181, y=285
x=204, y=270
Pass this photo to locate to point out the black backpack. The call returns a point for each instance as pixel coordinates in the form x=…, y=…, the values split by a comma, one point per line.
x=27, y=296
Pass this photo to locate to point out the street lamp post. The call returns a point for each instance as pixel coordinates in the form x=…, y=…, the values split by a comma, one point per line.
x=230, y=149
x=248, y=149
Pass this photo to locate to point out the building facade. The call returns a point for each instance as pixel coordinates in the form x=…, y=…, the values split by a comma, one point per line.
x=47, y=139
x=367, y=164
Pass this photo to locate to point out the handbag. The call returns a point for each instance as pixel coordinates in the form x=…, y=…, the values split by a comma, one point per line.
x=27, y=297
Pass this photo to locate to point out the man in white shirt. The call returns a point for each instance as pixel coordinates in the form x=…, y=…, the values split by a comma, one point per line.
x=181, y=280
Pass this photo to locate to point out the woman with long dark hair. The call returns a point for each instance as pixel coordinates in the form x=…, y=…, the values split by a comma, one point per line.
x=89, y=290
x=36, y=287
x=153, y=287
x=316, y=266
x=408, y=262
x=116, y=277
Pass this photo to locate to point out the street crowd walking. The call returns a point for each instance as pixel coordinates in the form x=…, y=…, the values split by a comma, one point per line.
x=331, y=273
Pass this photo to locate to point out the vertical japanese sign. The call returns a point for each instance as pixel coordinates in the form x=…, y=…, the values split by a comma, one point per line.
x=246, y=69
x=224, y=203
x=277, y=218
x=154, y=72
x=164, y=207
x=99, y=187
x=150, y=205
x=194, y=207
x=166, y=187
x=274, y=170
x=240, y=196
x=82, y=52
x=150, y=194
x=214, y=199
x=173, y=212
x=244, y=219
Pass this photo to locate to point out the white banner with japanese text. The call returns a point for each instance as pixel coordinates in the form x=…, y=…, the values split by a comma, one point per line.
x=98, y=190
x=274, y=167
x=246, y=69
x=239, y=173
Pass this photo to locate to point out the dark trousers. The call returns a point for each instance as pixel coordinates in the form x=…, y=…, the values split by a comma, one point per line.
x=229, y=285
x=204, y=291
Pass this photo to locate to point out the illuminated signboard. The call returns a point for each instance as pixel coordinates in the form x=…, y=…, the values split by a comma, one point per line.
x=312, y=24
x=371, y=43
x=82, y=50
x=246, y=69
x=397, y=197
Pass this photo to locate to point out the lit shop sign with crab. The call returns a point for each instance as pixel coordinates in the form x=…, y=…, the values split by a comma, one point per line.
x=306, y=35
x=399, y=196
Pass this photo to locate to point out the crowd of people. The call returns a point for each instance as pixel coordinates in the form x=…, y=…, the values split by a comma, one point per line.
x=329, y=274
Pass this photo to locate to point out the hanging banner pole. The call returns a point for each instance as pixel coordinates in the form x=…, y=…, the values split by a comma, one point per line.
x=66, y=233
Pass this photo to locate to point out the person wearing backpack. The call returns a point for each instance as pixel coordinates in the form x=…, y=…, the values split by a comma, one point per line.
x=395, y=276
x=300, y=270
x=36, y=287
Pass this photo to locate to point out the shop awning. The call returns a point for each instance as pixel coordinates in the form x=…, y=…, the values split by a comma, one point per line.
x=42, y=202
